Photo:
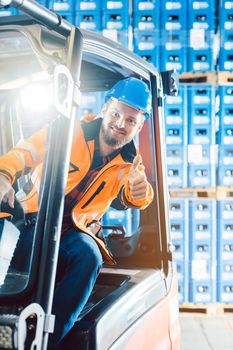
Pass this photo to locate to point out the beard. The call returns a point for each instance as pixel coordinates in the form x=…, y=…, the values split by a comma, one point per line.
x=111, y=141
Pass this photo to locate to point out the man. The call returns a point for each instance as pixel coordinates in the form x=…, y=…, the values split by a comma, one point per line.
x=104, y=165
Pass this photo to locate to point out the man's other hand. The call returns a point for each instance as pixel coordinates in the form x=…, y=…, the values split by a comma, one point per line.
x=137, y=180
x=7, y=193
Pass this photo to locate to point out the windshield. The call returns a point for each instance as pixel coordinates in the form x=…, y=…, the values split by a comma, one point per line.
x=25, y=94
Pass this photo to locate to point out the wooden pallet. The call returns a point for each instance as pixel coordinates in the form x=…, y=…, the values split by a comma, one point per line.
x=217, y=193
x=224, y=193
x=209, y=78
x=193, y=193
x=225, y=78
x=210, y=309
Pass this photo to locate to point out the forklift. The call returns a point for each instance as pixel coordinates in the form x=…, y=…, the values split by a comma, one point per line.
x=47, y=66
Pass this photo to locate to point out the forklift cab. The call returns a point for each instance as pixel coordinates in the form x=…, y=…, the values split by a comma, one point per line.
x=52, y=73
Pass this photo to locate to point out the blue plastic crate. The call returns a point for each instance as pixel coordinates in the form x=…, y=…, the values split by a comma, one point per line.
x=175, y=134
x=202, y=210
x=225, y=231
x=202, y=14
x=87, y=5
x=173, y=59
x=115, y=20
x=201, y=60
x=225, y=292
x=225, y=175
x=115, y=5
x=202, y=228
x=202, y=237
x=225, y=249
x=173, y=15
x=178, y=211
x=176, y=155
x=174, y=115
x=225, y=271
x=202, y=96
x=203, y=291
x=201, y=135
x=88, y=20
x=173, y=20
x=177, y=231
x=176, y=176
x=146, y=41
x=61, y=5
x=201, y=176
x=225, y=135
x=146, y=46
x=147, y=21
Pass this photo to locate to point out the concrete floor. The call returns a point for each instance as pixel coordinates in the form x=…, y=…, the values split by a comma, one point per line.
x=204, y=332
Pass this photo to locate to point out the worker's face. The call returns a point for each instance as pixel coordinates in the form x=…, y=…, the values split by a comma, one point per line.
x=121, y=123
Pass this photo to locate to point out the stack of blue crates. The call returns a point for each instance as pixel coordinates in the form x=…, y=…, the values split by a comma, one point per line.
x=201, y=136
x=202, y=242
x=225, y=251
x=201, y=24
x=64, y=8
x=146, y=29
x=225, y=136
x=179, y=236
x=88, y=15
x=173, y=35
x=115, y=19
x=176, y=138
x=226, y=35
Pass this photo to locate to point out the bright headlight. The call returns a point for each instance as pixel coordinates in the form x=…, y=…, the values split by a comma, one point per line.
x=36, y=97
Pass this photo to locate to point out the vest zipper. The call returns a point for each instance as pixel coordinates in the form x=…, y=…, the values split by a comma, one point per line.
x=99, y=189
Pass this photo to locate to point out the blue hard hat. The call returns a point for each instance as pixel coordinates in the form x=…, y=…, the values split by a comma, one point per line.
x=133, y=92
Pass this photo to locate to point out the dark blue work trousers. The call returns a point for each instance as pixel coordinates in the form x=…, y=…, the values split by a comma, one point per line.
x=79, y=263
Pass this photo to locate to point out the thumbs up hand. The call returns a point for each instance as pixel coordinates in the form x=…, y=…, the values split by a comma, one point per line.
x=138, y=184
